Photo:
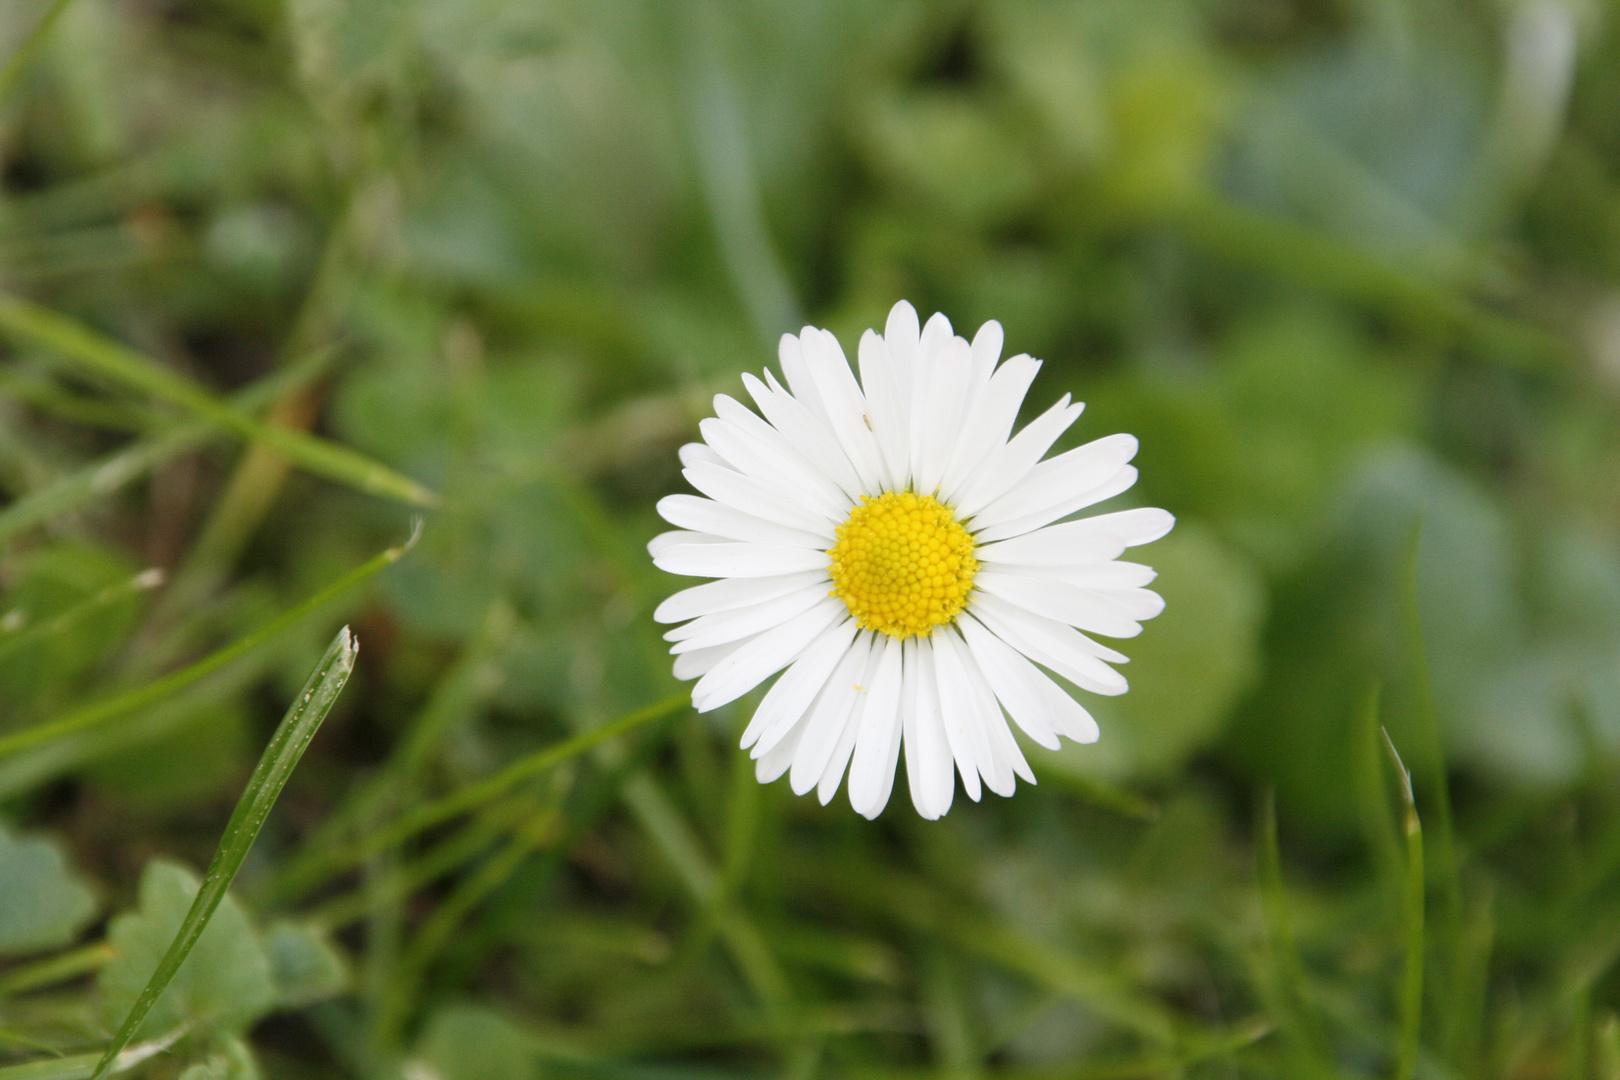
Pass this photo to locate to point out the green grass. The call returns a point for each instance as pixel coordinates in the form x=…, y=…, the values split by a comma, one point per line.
x=276, y=276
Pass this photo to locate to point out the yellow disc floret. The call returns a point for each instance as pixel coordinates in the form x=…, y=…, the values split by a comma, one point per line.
x=902, y=563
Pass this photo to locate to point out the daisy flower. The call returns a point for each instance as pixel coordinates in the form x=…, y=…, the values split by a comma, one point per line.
x=905, y=561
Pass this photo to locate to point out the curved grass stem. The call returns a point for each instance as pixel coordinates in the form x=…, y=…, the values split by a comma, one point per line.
x=286, y=747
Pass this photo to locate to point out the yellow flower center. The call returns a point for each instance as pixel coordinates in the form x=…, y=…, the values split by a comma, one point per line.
x=902, y=564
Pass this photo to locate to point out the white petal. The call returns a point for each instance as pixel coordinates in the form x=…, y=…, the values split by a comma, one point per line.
x=936, y=426
x=879, y=726
x=846, y=405
x=926, y=372
x=733, y=489
x=1053, y=645
x=737, y=560
x=1092, y=539
x=790, y=353
x=753, y=456
x=827, y=786
x=1139, y=604
x=1084, y=609
x=1069, y=716
x=1135, y=527
x=822, y=468
x=989, y=421
x=956, y=709
x=834, y=772
x=1109, y=575
x=729, y=594
x=829, y=716
x=675, y=538
x=693, y=665
x=803, y=429
x=1014, y=680
x=908, y=724
x=1009, y=758
x=790, y=698
x=1059, y=480
x=885, y=410
x=929, y=768
x=1011, y=463
x=891, y=762
x=724, y=626
x=1121, y=481
x=694, y=452
x=705, y=515
x=986, y=351
x=771, y=766
x=990, y=728
x=760, y=657
x=936, y=333
x=901, y=335
x=931, y=343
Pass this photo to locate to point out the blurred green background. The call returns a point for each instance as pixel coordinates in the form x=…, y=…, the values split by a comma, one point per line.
x=1350, y=269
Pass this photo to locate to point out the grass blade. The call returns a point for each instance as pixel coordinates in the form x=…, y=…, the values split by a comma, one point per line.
x=1306, y=1045
x=1271, y=244
x=675, y=840
x=1411, y=995
x=152, y=692
x=1102, y=794
x=55, y=969
x=471, y=797
x=1607, y=1033
x=1367, y=749
x=81, y=1066
x=105, y=476
x=541, y=827
x=926, y=909
x=466, y=844
x=112, y=360
x=471, y=680
x=62, y=621
x=292, y=737
x=29, y=48
x=1428, y=729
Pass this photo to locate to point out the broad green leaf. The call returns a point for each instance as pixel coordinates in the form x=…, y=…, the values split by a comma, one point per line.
x=465, y=1042
x=233, y=1060
x=43, y=903
x=224, y=984
x=304, y=965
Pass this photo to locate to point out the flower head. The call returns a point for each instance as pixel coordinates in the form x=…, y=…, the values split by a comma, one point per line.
x=905, y=561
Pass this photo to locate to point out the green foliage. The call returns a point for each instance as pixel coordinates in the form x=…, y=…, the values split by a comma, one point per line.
x=272, y=270
x=1187, y=676
x=225, y=983
x=43, y=902
x=48, y=582
x=234, y=1061
x=465, y=1042
x=304, y=965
